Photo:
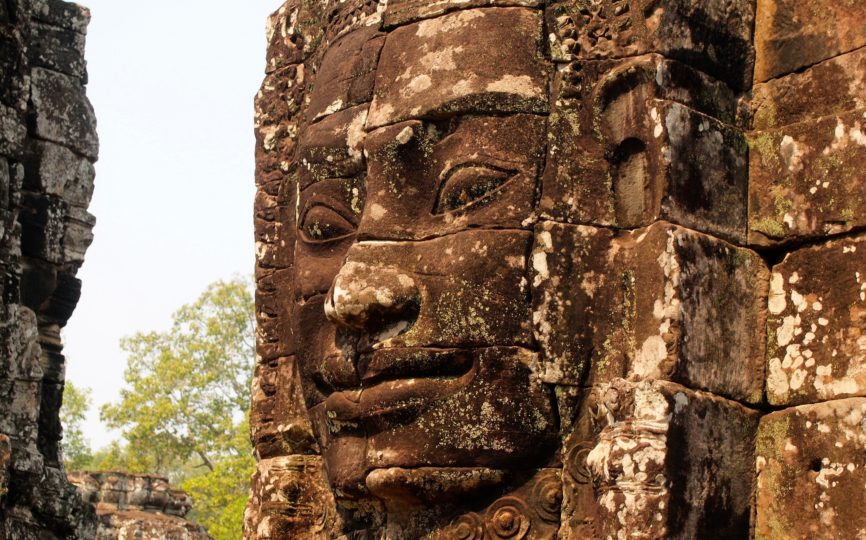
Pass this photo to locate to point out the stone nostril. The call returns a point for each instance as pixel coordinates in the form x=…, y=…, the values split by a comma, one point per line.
x=395, y=320
x=381, y=302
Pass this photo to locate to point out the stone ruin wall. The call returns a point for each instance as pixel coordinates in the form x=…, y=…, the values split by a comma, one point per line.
x=137, y=507
x=48, y=145
x=717, y=260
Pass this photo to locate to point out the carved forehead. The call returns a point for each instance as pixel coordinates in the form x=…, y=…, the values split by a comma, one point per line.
x=486, y=60
x=479, y=60
x=474, y=60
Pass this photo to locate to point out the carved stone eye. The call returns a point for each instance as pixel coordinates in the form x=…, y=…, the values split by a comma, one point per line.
x=321, y=223
x=466, y=184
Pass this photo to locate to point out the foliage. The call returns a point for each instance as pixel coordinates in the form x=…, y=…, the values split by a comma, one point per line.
x=76, y=448
x=182, y=411
x=221, y=494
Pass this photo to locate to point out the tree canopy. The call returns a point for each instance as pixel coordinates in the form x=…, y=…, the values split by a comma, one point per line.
x=183, y=409
x=76, y=448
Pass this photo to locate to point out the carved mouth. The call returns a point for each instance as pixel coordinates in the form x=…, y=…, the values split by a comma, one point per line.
x=400, y=381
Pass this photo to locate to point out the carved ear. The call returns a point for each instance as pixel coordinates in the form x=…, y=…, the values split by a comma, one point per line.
x=630, y=178
x=623, y=81
x=621, y=99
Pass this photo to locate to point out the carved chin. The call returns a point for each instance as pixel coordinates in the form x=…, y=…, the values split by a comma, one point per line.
x=427, y=485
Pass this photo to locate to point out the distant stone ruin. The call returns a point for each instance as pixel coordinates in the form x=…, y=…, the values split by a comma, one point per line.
x=47, y=148
x=561, y=269
x=137, y=507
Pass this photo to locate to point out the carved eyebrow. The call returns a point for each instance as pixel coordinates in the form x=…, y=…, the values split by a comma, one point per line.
x=498, y=166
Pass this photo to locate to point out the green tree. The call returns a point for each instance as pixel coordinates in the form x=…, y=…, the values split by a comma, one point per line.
x=182, y=411
x=73, y=413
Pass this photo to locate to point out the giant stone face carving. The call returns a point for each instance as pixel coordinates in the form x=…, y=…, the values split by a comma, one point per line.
x=520, y=273
x=414, y=226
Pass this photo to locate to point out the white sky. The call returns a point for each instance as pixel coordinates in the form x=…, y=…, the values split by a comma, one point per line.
x=172, y=82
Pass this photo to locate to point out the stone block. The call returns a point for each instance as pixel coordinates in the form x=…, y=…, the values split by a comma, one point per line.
x=671, y=463
x=285, y=40
x=346, y=74
x=21, y=351
x=270, y=253
x=43, y=221
x=793, y=34
x=20, y=416
x=56, y=170
x=713, y=36
x=637, y=140
x=290, y=498
x=5, y=463
x=280, y=426
x=13, y=131
x=332, y=148
x=62, y=14
x=398, y=12
x=273, y=313
x=78, y=236
x=14, y=91
x=418, y=76
x=806, y=179
x=634, y=295
x=62, y=113
x=276, y=124
x=57, y=49
x=58, y=307
x=817, y=324
x=832, y=87
x=811, y=474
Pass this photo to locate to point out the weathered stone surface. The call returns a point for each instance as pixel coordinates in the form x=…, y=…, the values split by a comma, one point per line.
x=5, y=459
x=817, y=324
x=332, y=149
x=713, y=36
x=463, y=176
x=278, y=426
x=672, y=463
x=418, y=74
x=122, y=491
x=793, y=34
x=56, y=170
x=57, y=49
x=500, y=286
x=62, y=113
x=47, y=148
x=808, y=150
x=806, y=179
x=347, y=73
x=830, y=87
x=137, y=525
x=399, y=12
x=65, y=15
x=291, y=499
x=531, y=512
x=137, y=507
x=634, y=294
x=638, y=140
x=811, y=473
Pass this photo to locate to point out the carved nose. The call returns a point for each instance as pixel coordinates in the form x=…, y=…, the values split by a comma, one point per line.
x=381, y=301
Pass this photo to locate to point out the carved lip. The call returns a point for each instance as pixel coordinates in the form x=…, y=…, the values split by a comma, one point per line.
x=402, y=380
